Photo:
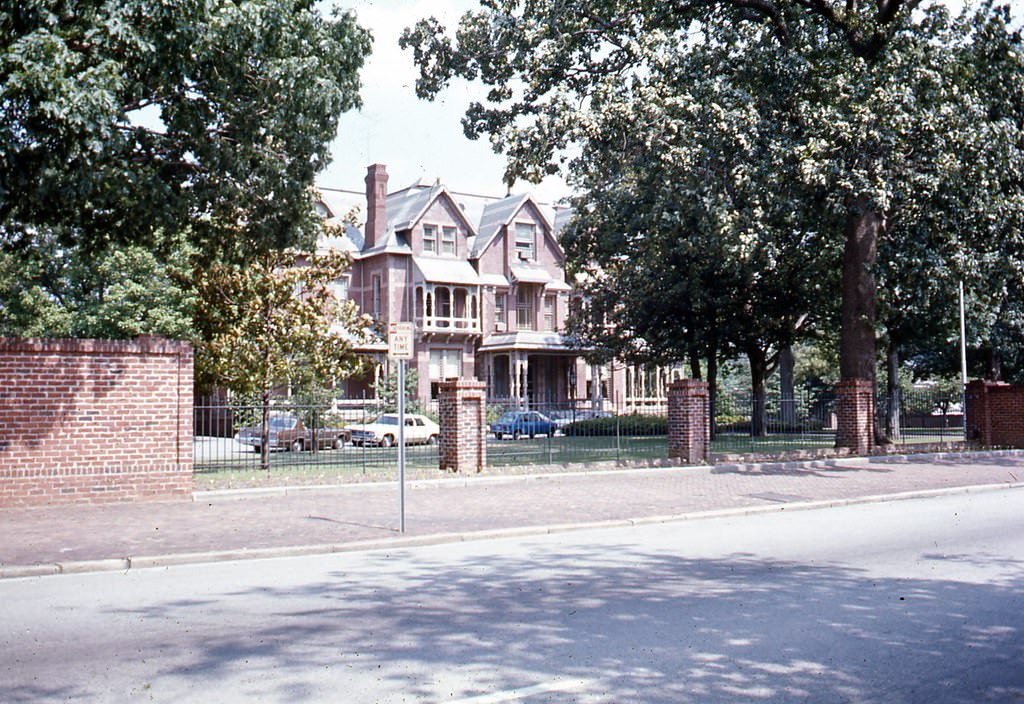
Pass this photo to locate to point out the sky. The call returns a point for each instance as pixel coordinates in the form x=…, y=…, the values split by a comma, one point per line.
x=416, y=139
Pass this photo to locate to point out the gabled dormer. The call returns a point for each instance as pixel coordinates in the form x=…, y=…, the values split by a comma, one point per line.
x=515, y=232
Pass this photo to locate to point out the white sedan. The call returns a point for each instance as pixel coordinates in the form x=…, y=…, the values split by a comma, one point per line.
x=419, y=430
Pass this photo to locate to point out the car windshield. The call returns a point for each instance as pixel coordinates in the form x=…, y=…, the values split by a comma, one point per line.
x=509, y=418
x=282, y=422
x=387, y=420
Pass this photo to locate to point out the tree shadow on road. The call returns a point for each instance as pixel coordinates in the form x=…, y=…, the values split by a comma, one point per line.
x=627, y=625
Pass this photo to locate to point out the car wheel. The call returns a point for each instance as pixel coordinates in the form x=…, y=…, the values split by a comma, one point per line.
x=515, y=434
x=387, y=441
x=531, y=436
x=551, y=432
x=498, y=435
x=296, y=446
x=432, y=440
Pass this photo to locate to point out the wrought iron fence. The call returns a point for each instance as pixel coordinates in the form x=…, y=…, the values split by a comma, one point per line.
x=307, y=438
x=358, y=437
x=804, y=421
x=575, y=432
x=921, y=415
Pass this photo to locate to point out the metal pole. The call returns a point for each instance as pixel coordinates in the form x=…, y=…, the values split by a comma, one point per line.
x=963, y=360
x=401, y=443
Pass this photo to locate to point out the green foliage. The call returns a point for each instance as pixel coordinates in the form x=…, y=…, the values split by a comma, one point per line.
x=50, y=290
x=386, y=391
x=120, y=120
x=714, y=140
x=266, y=322
x=634, y=424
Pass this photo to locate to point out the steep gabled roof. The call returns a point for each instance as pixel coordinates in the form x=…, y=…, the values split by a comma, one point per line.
x=500, y=213
x=408, y=206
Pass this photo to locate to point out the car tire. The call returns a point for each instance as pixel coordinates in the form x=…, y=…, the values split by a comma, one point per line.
x=531, y=436
x=387, y=441
x=551, y=433
x=515, y=434
x=296, y=446
x=498, y=435
x=432, y=440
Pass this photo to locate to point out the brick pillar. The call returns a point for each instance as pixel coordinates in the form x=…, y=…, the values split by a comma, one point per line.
x=463, y=426
x=855, y=415
x=689, y=422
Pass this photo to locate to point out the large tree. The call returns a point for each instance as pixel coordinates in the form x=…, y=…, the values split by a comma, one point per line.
x=907, y=116
x=686, y=252
x=123, y=120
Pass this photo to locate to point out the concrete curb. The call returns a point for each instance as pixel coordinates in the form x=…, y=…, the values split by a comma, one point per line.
x=397, y=543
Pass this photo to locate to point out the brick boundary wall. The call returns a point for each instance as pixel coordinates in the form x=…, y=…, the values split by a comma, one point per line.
x=855, y=415
x=94, y=421
x=689, y=421
x=463, y=409
x=995, y=414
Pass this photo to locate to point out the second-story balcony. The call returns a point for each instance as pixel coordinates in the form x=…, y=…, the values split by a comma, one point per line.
x=448, y=309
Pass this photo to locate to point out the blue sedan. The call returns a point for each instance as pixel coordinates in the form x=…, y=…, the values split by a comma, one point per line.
x=516, y=423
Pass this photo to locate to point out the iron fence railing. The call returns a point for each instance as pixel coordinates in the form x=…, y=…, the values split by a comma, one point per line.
x=805, y=420
x=308, y=437
x=574, y=432
x=343, y=437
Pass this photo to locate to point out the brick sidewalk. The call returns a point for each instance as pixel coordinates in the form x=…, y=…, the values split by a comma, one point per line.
x=284, y=522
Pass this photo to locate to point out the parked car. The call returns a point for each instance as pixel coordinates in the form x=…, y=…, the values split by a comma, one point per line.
x=419, y=430
x=287, y=432
x=516, y=423
x=564, y=418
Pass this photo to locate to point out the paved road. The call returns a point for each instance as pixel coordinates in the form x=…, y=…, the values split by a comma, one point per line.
x=912, y=601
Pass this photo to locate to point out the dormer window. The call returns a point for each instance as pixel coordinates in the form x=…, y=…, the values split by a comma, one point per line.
x=526, y=238
x=448, y=241
x=430, y=239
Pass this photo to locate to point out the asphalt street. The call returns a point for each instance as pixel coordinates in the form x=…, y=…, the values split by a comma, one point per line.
x=911, y=601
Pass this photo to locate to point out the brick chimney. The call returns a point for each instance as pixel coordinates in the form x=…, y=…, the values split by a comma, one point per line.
x=376, y=203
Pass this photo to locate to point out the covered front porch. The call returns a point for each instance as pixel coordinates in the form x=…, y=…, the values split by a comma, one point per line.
x=529, y=369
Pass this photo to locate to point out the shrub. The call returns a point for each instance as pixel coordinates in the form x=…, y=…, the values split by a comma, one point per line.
x=631, y=424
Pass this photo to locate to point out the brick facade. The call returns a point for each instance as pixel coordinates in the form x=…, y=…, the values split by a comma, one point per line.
x=84, y=421
x=462, y=407
x=995, y=414
x=855, y=415
x=689, y=421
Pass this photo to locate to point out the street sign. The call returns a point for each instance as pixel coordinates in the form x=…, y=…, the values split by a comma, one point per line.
x=400, y=340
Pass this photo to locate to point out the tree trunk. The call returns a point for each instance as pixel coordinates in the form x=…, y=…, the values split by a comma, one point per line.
x=759, y=407
x=265, y=431
x=787, y=395
x=892, y=411
x=695, y=371
x=857, y=323
x=995, y=365
x=712, y=388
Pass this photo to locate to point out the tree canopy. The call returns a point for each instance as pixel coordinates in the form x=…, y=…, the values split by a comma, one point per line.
x=120, y=121
x=897, y=128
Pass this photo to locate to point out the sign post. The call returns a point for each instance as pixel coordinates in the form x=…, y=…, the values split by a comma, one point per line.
x=400, y=337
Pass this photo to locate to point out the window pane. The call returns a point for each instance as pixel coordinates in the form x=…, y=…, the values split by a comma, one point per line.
x=525, y=236
x=448, y=241
x=430, y=239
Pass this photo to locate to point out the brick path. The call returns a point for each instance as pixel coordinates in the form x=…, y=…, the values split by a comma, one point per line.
x=286, y=521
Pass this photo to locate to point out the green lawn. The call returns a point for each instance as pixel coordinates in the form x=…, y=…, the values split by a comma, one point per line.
x=354, y=464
